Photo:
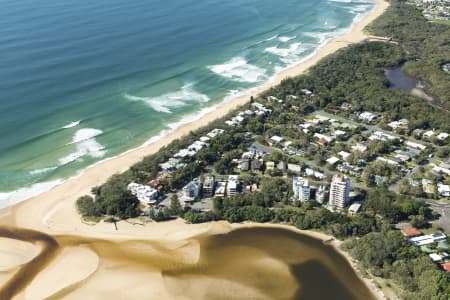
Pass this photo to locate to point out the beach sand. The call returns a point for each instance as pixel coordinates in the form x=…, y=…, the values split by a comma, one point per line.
x=54, y=212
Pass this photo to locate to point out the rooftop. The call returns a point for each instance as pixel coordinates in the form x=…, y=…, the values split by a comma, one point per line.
x=411, y=232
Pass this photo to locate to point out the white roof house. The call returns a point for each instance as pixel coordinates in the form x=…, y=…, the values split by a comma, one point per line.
x=359, y=147
x=367, y=116
x=415, y=145
x=325, y=137
x=339, y=132
x=443, y=189
x=437, y=257
x=442, y=136
x=387, y=160
x=354, y=208
x=277, y=139
x=307, y=92
x=427, y=239
x=398, y=124
x=294, y=168
x=197, y=146
x=205, y=139
x=443, y=167
x=344, y=154
x=191, y=191
x=144, y=193
x=381, y=136
x=428, y=134
x=215, y=132
x=333, y=160
x=184, y=153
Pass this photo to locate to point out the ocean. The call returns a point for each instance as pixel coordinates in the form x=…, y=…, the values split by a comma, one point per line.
x=82, y=81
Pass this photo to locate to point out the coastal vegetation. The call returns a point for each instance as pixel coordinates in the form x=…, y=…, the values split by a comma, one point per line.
x=426, y=45
x=352, y=76
x=387, y=254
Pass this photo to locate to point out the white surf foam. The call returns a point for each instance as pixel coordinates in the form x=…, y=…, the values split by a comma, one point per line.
x=272, y=38
x=42, y=171
x=72, y=124
x=288, y=55
x=85, y=134
x=165, y=102
x=285, y=39
x=11, y=198
x=238, y=69
x=86, y=145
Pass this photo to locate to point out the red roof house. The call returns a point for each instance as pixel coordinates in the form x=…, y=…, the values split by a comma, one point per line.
x=446, y=267
x=411, y=232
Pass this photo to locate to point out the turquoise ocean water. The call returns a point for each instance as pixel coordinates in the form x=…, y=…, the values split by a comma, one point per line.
x=81, y=81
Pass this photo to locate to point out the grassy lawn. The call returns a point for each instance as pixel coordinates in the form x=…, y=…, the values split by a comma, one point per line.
x=443, y=22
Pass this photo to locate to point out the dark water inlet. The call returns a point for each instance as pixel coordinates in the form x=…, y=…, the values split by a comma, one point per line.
x=399, y=80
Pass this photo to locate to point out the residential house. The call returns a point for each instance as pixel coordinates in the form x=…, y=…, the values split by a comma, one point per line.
x=275, y=140
x=411, y=232
x=400, y=124
x=244, y=165
x=270, y=165
x=233, y=185
x=359, y=147
x=415, y=145
x=344, y=154
x=281, y=166
x=144, y=193
x=367, y=117
x=428, y=186
x=428, y=134
x=220, y=189
x=333, y=160
x=442, y=168
x=442, y=136
x=215, y=132
x=354, y=208
x=256, y=165
x=443, y=189
x=294, y=168
x=191, y=191
x=208, y=186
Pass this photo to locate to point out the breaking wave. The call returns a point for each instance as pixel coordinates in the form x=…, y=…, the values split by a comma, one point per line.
x=238, y=69
x=288, y=55
x=285, y=39
x=42, y=171
x=72, y=124
x=165, y=102
x=10, y=198
x=86, y=145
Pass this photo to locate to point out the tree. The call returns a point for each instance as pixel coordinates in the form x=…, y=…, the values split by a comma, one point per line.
x=418, y=221
x=175, y=206
x=87, y=207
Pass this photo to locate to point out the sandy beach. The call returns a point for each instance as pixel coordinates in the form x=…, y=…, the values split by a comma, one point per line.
x=54, y=213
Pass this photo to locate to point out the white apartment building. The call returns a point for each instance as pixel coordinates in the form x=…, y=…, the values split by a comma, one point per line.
x=340, y=191
x=301, y=188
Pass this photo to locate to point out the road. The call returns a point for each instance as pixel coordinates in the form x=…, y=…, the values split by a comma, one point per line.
x=443, y=208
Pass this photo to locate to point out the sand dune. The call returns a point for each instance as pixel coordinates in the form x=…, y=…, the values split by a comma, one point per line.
x=72, y=265
x=14, y=253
